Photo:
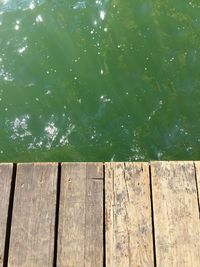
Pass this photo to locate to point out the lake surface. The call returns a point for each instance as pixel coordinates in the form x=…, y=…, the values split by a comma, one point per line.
x=99, y=80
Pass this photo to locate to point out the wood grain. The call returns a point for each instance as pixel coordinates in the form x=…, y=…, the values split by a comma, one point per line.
x=197, y=168
x=176, y=215
x=5, y=187
x=80, y=234
x=128, y=215
x=32, y=231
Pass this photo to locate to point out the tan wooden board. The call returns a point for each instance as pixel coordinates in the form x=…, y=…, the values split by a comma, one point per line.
x=32, y=231
x=176, y=215
x=128, y=215
x=197, y=168
x=80, y=233
x=5, y=187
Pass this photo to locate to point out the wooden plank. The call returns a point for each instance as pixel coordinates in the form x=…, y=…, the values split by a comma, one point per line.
x=176, y=215
x=80, y=233
x=128, y=215
x=5, y=187
x=32, y=231
x=197, y=168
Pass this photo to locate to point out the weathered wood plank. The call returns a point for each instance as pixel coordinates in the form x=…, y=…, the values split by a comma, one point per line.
x=128, y=215
x=176, y=215
x=197, y=168
x=32, y=231
x=80, y=232
x=5, y=187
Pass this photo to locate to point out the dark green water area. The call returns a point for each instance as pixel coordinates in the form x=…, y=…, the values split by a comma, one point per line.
x=99, y=80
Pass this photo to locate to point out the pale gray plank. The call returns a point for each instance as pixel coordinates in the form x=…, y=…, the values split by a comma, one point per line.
x=128, y=215
x=80, y=234
x=176, y=214
x=32, y=230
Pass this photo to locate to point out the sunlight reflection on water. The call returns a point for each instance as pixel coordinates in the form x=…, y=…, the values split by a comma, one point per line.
x=12, y=5
x=99, y=80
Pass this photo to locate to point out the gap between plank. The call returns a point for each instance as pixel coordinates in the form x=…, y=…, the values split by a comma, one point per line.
x=57, y=215
x=198, y=199
x=9, y=218
x=152, y=217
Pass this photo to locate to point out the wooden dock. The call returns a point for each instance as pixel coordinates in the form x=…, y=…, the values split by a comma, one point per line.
x=100, y=214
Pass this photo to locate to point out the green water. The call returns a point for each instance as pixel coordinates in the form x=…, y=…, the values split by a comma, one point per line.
x=99, y=80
